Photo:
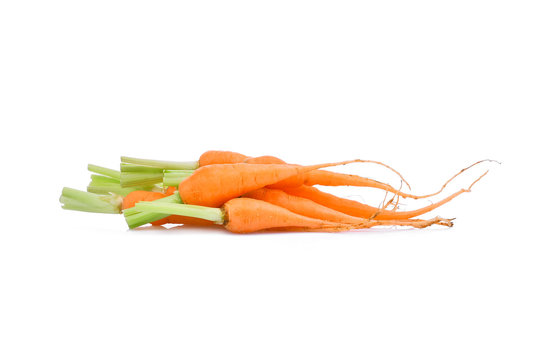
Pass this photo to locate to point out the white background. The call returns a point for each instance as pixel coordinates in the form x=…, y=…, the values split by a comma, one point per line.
x=426, y=86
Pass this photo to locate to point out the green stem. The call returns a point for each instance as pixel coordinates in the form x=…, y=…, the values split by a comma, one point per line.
x=115, y=174
x=135, y=218
x=174, y=177
x=73, y=199
x=173, y=180
x=167, y=165
x=139, y=168
x=116, y=189
x=203, y=212
x=99, y=179
x=139, y=179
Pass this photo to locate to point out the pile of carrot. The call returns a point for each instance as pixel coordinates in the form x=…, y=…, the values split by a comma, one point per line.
x=245, y=194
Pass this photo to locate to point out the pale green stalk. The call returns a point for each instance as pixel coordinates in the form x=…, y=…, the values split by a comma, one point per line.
x=175, y=177
x=202, y=212
x=115, y=174
x=135, y=217
x=73, y=199
x=167, y=165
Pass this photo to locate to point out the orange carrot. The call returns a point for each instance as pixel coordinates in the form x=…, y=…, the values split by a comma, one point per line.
x=316, y=177
x=213, y=185
x=329, y=178
x=245, y=215
x=302, y=206
x=312, y=209
x=140, y=195
x=266, y=159
x=228, y=157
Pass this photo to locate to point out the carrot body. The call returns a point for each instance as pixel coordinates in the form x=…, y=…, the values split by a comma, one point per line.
x=245, y=215
x=266, y=159
x=213, y=185
x=315, y=177
x=302, y=206
x=140, y=195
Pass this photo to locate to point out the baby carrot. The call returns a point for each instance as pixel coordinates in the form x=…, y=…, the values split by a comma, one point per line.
x=246, y=215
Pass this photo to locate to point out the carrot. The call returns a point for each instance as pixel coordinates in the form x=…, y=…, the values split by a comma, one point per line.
x=146, y=171
x=302, y=206
x=328, y=178
x=246, y=215
x=213, y=185
x=146, y=175
x=322, y=177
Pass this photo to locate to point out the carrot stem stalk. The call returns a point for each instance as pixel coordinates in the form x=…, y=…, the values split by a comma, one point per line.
x=100, y=179
x=202, y=212
x=115, y=174
x=140, y=179
x=174, y=177
x=104, y=185
x=116, y=189
x=78, y=200
x=167, y=165
x=139, y=168
x=135, y=217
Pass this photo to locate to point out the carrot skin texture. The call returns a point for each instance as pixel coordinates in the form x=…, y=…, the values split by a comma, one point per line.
x=290, y=182
x=329, y=178
x=213, y=185
x=266, y=159
x=302, y=206
x=312, y=209
x=324, y=177
x=214, y=157
x=140, y=195
x=245, y=215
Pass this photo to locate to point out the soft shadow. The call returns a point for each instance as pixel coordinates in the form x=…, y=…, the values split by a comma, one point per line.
x=174, y=229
